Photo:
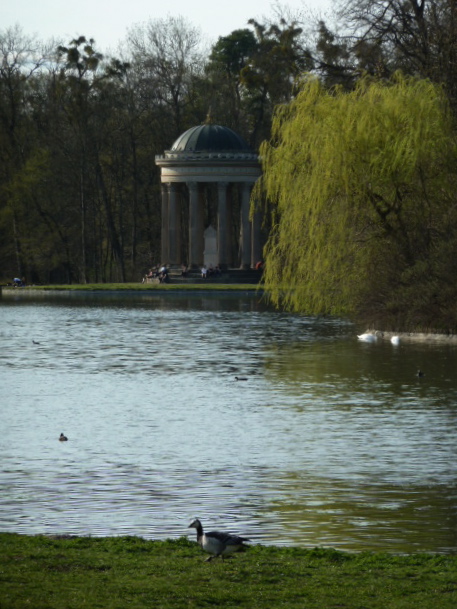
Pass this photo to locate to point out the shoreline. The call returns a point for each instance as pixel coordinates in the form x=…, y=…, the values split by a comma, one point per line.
x=131, y=287
x=199, y=288
x=119, y=572
x=423, y=337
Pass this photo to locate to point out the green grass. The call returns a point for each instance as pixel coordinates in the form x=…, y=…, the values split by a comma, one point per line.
x=130, y=572
x=144, y=287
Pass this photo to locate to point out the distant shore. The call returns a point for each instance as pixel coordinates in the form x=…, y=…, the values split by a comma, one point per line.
x=123, y=288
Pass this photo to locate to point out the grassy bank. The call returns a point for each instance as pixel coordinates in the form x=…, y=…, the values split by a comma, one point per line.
x=116, y=573
x=140, y=287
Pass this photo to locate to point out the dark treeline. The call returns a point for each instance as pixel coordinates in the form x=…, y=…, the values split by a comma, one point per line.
x=79, y=131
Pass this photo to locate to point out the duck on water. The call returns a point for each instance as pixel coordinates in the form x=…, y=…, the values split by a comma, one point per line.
x=217, y=543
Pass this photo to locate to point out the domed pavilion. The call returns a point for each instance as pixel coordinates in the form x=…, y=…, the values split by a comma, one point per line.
x=207, y=178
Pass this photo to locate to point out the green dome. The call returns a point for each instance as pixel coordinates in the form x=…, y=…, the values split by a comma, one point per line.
x=210, y=138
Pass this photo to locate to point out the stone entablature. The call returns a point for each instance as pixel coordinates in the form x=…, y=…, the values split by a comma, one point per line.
x=209, y=167
x=208, y=174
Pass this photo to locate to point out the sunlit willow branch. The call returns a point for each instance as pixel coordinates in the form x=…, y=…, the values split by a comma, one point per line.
x=362, y=186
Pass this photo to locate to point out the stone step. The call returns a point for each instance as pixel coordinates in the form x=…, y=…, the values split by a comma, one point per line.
x=250, y=276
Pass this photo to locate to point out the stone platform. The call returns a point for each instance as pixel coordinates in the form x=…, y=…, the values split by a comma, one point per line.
x=230, y=276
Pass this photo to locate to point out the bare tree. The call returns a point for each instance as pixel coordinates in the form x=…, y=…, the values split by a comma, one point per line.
x=20, y=58
x=169, y=51
x=417, y=36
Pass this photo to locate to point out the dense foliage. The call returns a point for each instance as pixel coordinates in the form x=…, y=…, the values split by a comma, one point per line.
x=79, y=189
x=364, y=185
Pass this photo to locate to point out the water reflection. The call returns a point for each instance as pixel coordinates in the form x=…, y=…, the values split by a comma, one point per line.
x=341, y=517
x=330, y=442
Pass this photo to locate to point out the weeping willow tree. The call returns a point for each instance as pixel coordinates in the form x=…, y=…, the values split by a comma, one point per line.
x=363, y=191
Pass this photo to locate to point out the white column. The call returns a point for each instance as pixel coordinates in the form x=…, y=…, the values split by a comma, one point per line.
x=245, y=227
x=174, y=226
x=195, y=227
x=165, y=252
x=222, y=224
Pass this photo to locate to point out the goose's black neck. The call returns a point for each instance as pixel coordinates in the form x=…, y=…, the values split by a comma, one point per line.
x=199, y=530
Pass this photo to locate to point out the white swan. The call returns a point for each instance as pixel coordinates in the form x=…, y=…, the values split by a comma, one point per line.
x=367, y=337
x=395, y=340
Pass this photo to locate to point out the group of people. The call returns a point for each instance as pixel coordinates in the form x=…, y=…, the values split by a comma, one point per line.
x=210, y=271
x=157, y=272
x=162, y=273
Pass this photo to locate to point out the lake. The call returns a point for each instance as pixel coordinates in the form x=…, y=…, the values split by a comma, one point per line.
x=328, y=442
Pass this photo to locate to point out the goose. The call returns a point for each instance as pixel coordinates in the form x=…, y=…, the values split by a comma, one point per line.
x=63, y=438
x=217, y=543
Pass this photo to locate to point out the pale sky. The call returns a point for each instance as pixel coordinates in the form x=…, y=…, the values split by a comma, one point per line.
x=107, y=21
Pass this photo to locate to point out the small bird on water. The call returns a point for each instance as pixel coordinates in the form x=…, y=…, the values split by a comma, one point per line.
x=63, y=437
x=217, y=543
x=420, y=374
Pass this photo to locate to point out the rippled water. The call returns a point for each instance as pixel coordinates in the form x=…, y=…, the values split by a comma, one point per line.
x=329, y=441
